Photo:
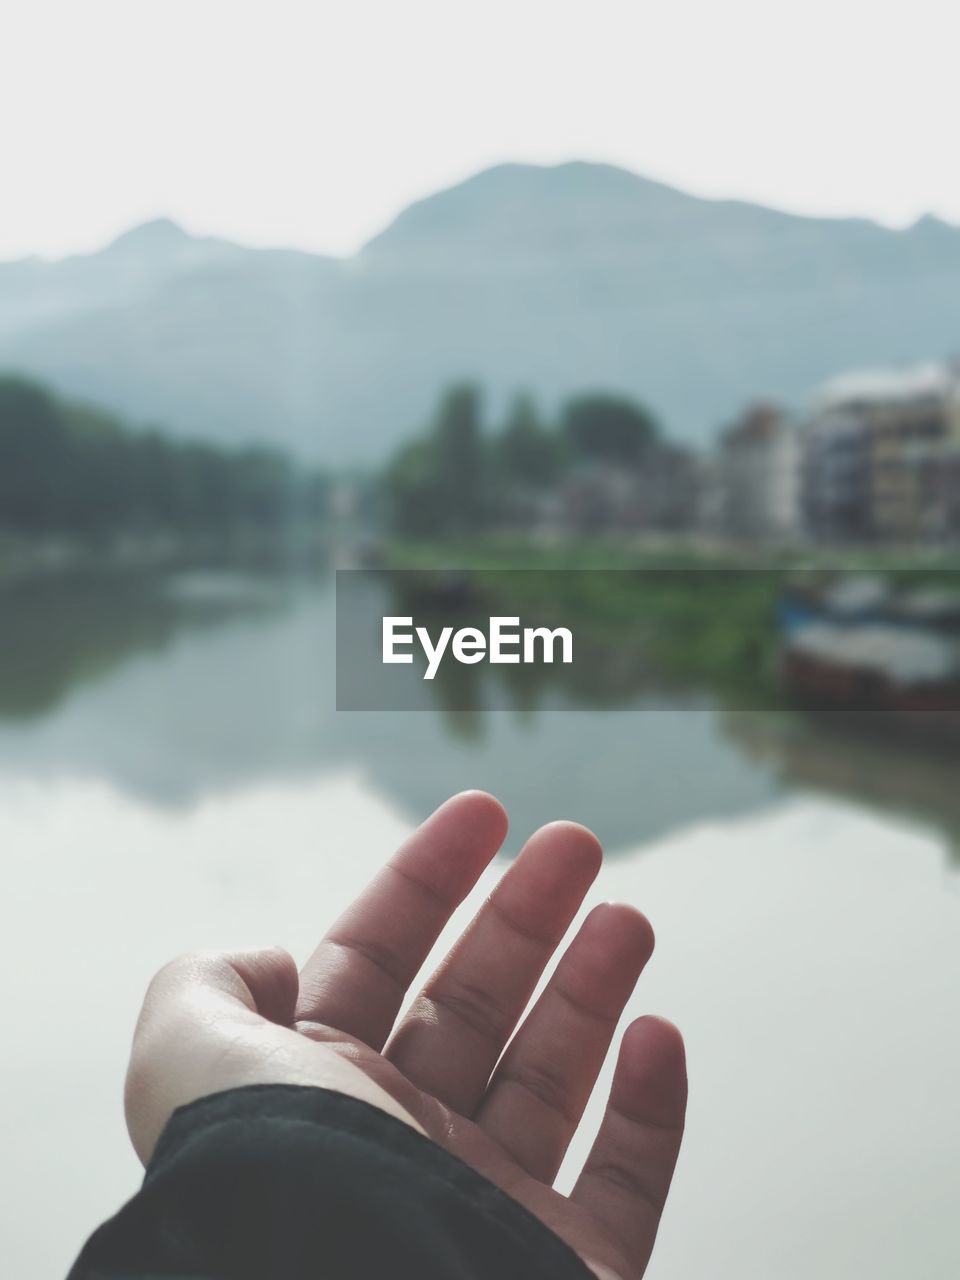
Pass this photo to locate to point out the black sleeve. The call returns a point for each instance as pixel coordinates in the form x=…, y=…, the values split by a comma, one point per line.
x=277, y=1182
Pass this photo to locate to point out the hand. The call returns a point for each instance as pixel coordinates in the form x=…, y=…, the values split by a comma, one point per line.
x=218, y=1021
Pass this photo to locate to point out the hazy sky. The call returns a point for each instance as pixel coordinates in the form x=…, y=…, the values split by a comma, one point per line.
x=311, y=124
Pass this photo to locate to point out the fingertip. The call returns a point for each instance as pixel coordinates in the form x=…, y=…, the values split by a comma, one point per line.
x=569, y=841
x=450, y=849
x=481, y=810
x=651, y=1032
x=604, y=961
x=625, y=927
x=485, y=807
x=651, y=1078
x=546, y=884
x=556, y=867
x=476, y=794
x=575, y=830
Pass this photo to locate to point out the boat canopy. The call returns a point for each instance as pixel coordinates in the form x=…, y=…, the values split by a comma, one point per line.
x=902, y=656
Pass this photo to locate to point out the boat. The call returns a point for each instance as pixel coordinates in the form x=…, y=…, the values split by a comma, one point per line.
x=910, y=676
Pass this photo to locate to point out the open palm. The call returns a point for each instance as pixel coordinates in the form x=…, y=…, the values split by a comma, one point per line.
x=507, y=1104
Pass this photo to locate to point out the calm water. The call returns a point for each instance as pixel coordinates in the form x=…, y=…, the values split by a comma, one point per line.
x=173, y=773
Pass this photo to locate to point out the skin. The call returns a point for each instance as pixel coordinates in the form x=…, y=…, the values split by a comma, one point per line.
x=456, y=1066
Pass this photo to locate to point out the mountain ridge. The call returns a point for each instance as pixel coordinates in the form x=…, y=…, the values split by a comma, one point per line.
x=522, y=276
x=166, y=224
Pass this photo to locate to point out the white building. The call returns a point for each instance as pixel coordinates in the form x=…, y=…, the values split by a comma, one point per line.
x=759, y=476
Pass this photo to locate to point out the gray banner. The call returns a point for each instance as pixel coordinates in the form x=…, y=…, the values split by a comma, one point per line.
x=837, y=642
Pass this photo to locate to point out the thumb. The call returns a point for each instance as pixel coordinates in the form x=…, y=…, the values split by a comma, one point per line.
x=271, y=980
x=178, y=1050
x=259, y=980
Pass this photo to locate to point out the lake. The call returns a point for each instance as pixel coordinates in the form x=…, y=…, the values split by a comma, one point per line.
x=173, y=774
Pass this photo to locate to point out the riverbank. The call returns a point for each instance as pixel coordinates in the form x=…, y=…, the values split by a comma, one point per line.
x=26, y=558
x=704, y=616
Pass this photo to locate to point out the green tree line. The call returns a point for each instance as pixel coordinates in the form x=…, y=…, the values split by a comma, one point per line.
x=456, y=479
x=70, y=469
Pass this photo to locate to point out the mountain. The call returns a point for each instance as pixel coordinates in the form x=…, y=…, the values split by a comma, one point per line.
x=554, y=279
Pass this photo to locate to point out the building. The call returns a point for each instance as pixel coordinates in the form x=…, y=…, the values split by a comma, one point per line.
x=881, y=456
x=657, y=495
x=758, y=477
x=835, y=476
x=942, y=480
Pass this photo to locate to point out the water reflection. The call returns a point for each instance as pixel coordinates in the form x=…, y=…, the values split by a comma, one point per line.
x=809, y=952
x=855, y=759
x=56, y=634
x=174, y=689
x=177, y=776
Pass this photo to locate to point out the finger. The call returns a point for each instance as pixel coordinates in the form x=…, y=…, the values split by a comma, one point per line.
x=541, y=1085
x=450, y=1040
x=625, y=1180
x=358, y=976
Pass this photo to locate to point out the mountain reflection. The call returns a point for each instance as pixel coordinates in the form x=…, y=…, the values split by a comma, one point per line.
x=177, y=688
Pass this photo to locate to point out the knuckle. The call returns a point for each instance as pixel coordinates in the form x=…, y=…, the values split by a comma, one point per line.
x=626, y=1175
x=545, y=1083
x=474, y=1006
x=166, y=990
x=186, y=970
x=378, y=954
x=184, y=966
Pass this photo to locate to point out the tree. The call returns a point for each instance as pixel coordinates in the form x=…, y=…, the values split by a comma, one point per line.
x=528, y=454
x=461, y=460
x=438, y=484
x=609, y=429
x=34, y=458
x=413, y=492
x=68, y=468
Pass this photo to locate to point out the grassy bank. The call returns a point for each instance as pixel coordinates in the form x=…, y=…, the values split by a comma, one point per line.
x=702, y=616
x=696, y=618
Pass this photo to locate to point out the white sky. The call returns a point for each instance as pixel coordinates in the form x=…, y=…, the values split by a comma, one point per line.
x=311, y=124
